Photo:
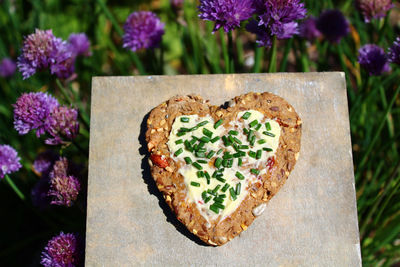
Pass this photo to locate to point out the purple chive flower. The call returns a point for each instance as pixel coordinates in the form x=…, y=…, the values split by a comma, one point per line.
x=226, y=13
x=43, y=162
x=394, y=52
x=308, y=29
x=63, y=250
x=60, y=168
x=373, y=9
x=7, y=67
x=9, y=160
x=79, y=44
x=62, y=123
x=333, y=25
x=31, y=112
x=373, y=59
x=276, y=18
x=143, y=29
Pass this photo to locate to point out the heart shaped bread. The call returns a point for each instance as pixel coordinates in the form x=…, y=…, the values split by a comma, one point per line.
x=217, y=167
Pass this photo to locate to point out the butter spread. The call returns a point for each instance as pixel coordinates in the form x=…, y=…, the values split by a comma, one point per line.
x=220, y=164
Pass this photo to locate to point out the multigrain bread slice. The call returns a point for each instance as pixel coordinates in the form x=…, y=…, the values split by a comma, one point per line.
x=165, y=167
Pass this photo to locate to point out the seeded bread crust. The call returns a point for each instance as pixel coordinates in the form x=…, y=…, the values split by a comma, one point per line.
x=171, y=183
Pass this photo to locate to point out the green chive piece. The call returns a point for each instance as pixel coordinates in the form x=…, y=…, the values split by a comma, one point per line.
x=253, y=123
x=200, y=145
x=215, y=139
x=230, y=137
x=207, y=175
x=258, y=127
x=222, y=195
x=255, y=171
x=261, y=141
x=245, y=131
x=258, y=155
x=218, y=205
x=239, y=176
x=226, y=141
x=232, y=192
x=207, y=132
x=180, y=141
x=269, y=134
x=202, y=161
x=238, y=187
x=268, y=126
x=188, y=160
x=252, y=154
x=219, y=178
x=227, y=155
x=225, y=163
x=267, y=149
x=208, y=180
x=252, y=140
x=240, y=162
x=216, y=188
x=233, y=132
x=200, y=154
x=202, y=123
x=211, y=192
x=237, y=155
x=184, y=119
x=236, y=147
x=214, y=175
x=205, y=139
x=194, y=140
x=178, y=152
x=180, y=133
x=218, y=162
x=219, y=151
x=218, y=199
x=197, y=166
x=214, y=209
x=200, y=174
x=237, y=140
x=207, y=199
x=244, y=147
x=184, y=129
x=195, y=184
x=246, y=115
x=201, y=149
x=210, y=154
x=204, y=195
x=226, y=186
x=230, y=163
x=250, y=135
x=218, y=123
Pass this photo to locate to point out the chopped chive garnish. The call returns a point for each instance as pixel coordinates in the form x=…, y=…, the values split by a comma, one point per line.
x=257, y=127
x=215, y=139
x=219, y=178
x=207, y=199
x=184, y=119
x=226, y=186
x=216, y=188
x=238, y=187
x=197, y=166
x=232, y=192
x=196, y=147
x=180, y=133
x=261, y=141
x=218, y=123
x=184, y=129
x=233, y=132
x=204, y=195
x=253, y=123
x=207, y=175
x=237, y=155
x=236, y=147
x=188, y=160
x=180, y=141
x=194, y=140
x=258, y=155
x=222, y=195
x=202, y=123
x=246, y=115
x=252, y=154
x=226, y=141
x=207, y=132
x=201, y=149
x=239, y=176
x=218, y=205
x=208, y=180
x=245, y=131
x=200, y=145
x=200, y=174
x=225, y=163
x=255, y=171
x=200, y=154
x=218, y=199
x=187, y=144
x=244, y=147
x=267, y=149
x=205, y=139
x=178, y=152
x=252, y=140
x=211, y=192
x=230, y=137
x=230, y=163
x=250, y=135
x=202, y=161
x=210, y=154
x=269, y=134
x=219, y=151
x=195, y=184
x=268, y=126
x=237, y=140
x=214, y=174
x=240, y=162
x=227, y=155
x=214, y=209
x=218, y=162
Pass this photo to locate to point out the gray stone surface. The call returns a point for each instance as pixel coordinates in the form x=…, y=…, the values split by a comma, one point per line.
x=312, y=221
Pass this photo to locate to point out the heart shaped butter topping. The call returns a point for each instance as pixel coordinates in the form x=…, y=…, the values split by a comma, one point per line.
x=218, y=167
